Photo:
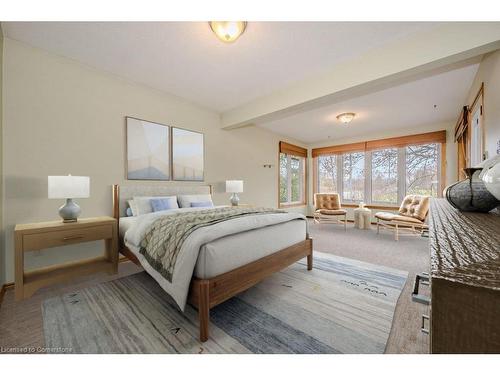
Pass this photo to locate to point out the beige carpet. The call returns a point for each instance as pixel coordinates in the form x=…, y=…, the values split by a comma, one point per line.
x=21, y=322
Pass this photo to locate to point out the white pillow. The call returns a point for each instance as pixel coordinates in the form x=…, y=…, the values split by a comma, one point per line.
x=132, y=206
x=142, y=205
x=185, y=200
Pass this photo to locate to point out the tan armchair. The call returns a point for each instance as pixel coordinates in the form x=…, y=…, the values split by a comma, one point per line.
x=411, y=216
x=327, y=209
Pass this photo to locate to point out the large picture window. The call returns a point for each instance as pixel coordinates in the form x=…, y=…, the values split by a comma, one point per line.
x=353, y=176
x=385, y=175
x=422, y=169
x=382, y=172
x=292, y=180
x=327, y=173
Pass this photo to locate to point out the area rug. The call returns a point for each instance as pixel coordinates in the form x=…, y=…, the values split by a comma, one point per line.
x=341, y=306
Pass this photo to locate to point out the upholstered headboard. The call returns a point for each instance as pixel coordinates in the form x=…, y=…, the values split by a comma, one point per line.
x=122, y=193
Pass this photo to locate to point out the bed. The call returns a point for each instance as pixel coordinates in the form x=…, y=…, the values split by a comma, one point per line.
x=217, y=261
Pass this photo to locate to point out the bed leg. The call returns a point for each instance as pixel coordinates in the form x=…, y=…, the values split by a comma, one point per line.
x=310, y=262
x=204, y=309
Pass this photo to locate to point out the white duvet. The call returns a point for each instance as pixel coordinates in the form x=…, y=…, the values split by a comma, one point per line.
x=186, y=260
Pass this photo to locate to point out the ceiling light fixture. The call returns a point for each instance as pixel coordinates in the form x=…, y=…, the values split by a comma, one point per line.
x=228, y=31
x=346, y=117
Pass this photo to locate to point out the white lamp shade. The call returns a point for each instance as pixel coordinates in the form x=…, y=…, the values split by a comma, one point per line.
x=234, y=186
x=63, y=187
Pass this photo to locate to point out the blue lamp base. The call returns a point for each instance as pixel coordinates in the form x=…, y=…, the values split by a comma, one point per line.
x=235, y=200
x=70, y=211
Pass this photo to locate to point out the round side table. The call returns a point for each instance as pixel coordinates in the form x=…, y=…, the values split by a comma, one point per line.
x=362, y=218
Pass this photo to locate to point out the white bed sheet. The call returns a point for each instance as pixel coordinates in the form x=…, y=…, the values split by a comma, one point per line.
x=228, y=253
x=125, y=224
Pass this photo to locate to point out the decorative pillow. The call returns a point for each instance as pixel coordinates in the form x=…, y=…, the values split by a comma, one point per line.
x=162, y=204
x=142, y=205
x=416, y=206
x=186, y=200
x=132, y=207
x=202, y=204
x=128, y=212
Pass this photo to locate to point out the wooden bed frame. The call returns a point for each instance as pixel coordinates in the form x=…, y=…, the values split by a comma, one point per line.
x=207, y=293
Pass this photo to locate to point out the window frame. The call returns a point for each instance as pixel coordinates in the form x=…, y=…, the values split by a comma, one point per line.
x=293, y=151
x=400, y=143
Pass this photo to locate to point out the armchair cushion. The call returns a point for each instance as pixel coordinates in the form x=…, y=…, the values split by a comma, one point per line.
x=415, y=206
x=324, y=211
x=327, y=201
x=387, y=216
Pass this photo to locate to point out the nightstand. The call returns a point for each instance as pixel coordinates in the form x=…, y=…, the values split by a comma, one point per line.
x=31, y=237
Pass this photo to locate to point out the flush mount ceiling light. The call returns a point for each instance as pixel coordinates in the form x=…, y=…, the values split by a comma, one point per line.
x=346, y=117
x=228, y=31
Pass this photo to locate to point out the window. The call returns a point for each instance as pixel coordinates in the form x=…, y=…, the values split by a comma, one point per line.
x=327, y=174
x=382, y=172
x=353, y=176
x=422, y=169
x=385, y=175
x=292, y=181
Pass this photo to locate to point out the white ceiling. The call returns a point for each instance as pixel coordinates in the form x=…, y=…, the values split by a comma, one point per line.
x=186, y=59
x=404, y=106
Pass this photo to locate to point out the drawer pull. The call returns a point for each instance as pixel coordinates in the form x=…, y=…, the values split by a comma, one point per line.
x=415, y=296
x=70, y=238
x=424, y=278
x=422, y=326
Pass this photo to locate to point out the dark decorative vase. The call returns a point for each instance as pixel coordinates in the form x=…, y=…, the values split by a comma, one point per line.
x=471, y=194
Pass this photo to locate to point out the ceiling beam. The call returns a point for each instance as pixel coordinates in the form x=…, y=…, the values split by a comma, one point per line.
x=378, y=68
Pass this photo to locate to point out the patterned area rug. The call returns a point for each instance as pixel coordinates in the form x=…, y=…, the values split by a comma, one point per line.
x=341, y=306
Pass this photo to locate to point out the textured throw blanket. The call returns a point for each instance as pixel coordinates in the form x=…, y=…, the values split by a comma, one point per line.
x=164, y=238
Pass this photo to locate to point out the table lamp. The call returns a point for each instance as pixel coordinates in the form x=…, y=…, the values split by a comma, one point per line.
x=69, y=187
x=234, y=186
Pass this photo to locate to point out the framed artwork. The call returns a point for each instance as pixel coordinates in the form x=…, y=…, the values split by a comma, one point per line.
x=148, y=150
x=187, y=155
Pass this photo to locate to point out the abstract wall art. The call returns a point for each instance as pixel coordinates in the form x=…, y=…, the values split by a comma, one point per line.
x=148, y=150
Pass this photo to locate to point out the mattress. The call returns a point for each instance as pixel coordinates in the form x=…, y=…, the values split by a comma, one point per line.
x=230, y=252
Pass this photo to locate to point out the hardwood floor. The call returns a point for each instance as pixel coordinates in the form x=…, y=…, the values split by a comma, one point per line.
x=21, y=322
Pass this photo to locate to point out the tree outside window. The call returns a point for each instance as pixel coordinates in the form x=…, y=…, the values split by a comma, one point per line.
x=292, y=179
x=327, y=174
x=385, y=175
x=354, y=176
x=422, y=169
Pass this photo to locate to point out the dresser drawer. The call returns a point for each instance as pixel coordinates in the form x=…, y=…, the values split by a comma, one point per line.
x=37, y=241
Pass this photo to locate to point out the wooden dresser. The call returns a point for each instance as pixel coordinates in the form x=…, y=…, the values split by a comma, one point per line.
x=465, y=280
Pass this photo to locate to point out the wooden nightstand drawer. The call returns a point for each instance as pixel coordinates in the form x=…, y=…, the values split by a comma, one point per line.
x=43, y=240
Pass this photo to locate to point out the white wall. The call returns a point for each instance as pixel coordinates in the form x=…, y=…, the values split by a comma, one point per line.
x=451, y=150
x=62, y=117
x=489, y=73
